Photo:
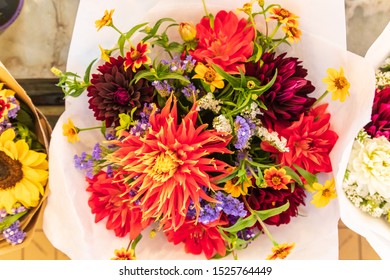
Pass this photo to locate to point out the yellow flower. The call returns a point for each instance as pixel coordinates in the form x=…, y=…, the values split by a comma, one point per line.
x=124, y=254
x=105, y=54
x=23, y=173
x=106, y=20
x=71, y=131
x=293, y=33
x=337, y=83
x=324, y=193
x=187, y=31
x=281, y=251
x=283, y=16
x=236, y=188
x=209, y=76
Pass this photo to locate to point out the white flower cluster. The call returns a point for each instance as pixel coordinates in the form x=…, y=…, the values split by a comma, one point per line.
x=208, y=102
x=222, y=124
x=382, y=78
x=272, y=138
x=373, y=204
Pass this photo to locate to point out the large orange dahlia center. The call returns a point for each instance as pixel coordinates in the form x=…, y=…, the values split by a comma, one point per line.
x=165, y=166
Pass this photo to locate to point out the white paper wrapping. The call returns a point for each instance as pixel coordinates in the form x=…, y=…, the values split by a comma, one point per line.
x=68, y=222
x=375, y=230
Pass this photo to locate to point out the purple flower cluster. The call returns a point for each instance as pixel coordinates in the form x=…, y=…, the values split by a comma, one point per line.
x=243, y=128
x=230, y=205
x=143, y=123
x=180, y=66
x=164, y=88
x=84, y=163
x=13, y=234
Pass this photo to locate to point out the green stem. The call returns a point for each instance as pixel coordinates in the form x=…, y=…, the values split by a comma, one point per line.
x=89, y=128
x=265, y=229
x=320, y=98
x=205, y=8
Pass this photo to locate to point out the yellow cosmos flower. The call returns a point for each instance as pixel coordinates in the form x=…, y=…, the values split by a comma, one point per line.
x=124, y=254
x=281, y=251
x=105, y=54
x=106, y=20
x=293, y=33
x=23, y=173
x=283, y=16
x=71, y=131
x=337, y=83
x=209, y=76
x=324, y=194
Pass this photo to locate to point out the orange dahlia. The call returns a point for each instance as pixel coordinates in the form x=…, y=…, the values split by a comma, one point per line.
x=172, y=165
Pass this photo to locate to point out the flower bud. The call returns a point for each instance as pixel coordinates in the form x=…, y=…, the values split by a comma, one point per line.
x=187, y=31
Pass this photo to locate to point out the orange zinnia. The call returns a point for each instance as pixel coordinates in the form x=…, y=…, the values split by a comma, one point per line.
x=137, y=56
x=276, y=179
x=281, y=251
x=172, y=165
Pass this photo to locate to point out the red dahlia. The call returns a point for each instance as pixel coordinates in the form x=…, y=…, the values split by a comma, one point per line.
x=380, y=116
x=263, y=199
x=288, y=98
x=111, y=93
x=110, y=199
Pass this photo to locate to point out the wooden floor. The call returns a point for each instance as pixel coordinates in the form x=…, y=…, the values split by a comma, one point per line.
x=351, y=247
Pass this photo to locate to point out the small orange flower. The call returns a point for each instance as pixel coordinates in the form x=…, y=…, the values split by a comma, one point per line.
x=106, y=20
x=137, y=56
x=284, y=16
x=124, y=254
x=71, y=131
x=209, y=76
x=281, y=251
x=293, y=33
x=276, y=179
x=235, y=189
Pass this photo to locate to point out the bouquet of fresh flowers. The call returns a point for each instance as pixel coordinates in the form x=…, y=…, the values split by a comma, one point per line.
x=365, y=199
x=211, y=133
x=24, y=137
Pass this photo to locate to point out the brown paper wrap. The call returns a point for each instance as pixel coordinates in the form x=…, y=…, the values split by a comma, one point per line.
x=43, y=132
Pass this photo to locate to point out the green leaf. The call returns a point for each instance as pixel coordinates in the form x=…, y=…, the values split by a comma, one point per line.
x=121, y=44
x=134, y=29
x=242, y=224
x=153, y=31
x=233, y=81
x=309, y=177
x=88, y=71
x=9, y=220
x=293, y=174
x=265, y=214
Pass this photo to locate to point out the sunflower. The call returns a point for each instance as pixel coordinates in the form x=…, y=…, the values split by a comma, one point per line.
x=23, y=172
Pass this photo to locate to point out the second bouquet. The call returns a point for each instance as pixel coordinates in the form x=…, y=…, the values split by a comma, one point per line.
x=212, y=131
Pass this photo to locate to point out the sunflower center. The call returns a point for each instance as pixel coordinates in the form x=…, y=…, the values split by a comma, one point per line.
x=276, y=180
x=135, y=55
x=209, y=76
x=165, y=166
x=340, y=82
x=10, y=171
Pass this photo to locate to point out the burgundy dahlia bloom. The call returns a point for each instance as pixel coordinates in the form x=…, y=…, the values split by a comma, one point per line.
x=268, y=198
x=288, y=97
x=380, y=116
x=111, y=93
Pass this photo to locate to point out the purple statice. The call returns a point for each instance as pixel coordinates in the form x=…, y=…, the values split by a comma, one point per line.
x=13, y=234
x=143, y=123
x=97, y=152
x=244, y=132
x=230, y=205
x=246, y=234
x=177, y=65
x=3, y=214
x=189, y=90
x=110, y=172
x=191, y=213
x=208, y=214
x=84, y=163
x=14, y=111
x=163, y=87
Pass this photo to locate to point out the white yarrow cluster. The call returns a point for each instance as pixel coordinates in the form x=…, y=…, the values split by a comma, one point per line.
x=208, y=102
x=382, y=78
x=272, y=138
x=222, y=124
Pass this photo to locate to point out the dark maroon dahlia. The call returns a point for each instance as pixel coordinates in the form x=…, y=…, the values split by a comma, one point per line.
x=111, y=93
x=380, y=116
x=288, y=97
x=267, y=198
